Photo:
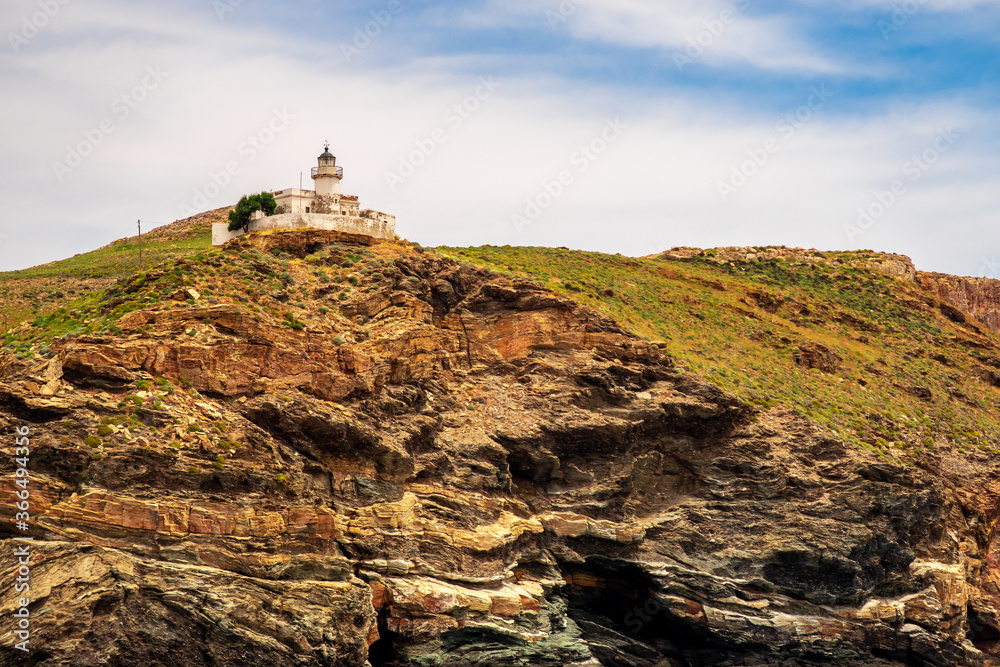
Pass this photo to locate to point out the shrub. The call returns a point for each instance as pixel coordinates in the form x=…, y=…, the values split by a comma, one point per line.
x=247, y=206
x=142, y=385
x=104, y=430
x=92, y=441
x=290, y=321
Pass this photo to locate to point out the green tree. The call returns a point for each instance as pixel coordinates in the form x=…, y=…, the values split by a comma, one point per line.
x=240, y=216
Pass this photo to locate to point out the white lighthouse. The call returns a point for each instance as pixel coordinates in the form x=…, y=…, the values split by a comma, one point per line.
x=327, y=175
x=323, y=208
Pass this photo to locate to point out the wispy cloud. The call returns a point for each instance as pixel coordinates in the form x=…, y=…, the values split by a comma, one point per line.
x=655, y=185
x=724, y=33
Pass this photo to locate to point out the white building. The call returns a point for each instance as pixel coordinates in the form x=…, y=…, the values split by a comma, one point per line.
x=322, y=208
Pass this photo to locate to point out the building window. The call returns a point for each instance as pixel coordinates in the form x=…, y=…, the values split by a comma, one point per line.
x=307, y=209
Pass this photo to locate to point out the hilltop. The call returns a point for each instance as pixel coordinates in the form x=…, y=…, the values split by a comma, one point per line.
x=27, y=293
x=314, y=448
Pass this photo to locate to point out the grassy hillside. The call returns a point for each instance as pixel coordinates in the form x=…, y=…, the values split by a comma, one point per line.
x=28, y=293
x=868, y=356
x=278, y=285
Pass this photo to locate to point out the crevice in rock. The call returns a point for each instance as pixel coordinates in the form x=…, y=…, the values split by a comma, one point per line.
x=382, y=653
x=625, y=619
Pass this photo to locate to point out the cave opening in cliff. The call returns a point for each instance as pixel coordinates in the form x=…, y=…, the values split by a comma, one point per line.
x=983, y=631
x=624, y=617
x=382, y=652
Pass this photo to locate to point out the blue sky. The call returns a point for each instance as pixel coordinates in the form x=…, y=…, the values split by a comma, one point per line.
x=624, y=126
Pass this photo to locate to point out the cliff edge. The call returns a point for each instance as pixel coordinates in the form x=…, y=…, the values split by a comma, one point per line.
x=310, y=448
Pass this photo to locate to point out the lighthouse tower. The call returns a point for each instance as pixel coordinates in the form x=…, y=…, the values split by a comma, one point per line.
x=327, y=175
x=322, y=208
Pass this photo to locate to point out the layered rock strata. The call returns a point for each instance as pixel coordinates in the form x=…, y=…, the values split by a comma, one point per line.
x=461, y=469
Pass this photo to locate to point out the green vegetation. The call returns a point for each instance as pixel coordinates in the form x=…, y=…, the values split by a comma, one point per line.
x=247, y=206
x=871, y=358
x=117, y=260
x=903, y=377
x=290, y=321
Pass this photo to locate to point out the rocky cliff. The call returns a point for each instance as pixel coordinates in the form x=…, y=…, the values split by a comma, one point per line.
x=307, y=450
x=978, y=297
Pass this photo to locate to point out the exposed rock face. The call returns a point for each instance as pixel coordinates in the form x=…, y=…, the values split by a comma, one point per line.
x=897, y=266
x=978, y=297
x=482, y=474
x=817, y=356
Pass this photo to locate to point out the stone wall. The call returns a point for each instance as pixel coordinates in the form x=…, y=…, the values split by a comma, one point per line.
x=327, y=205
x=379, y=225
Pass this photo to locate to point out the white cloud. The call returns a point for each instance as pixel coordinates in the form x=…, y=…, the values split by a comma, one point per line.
x=653, y=188
x=713, y=32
